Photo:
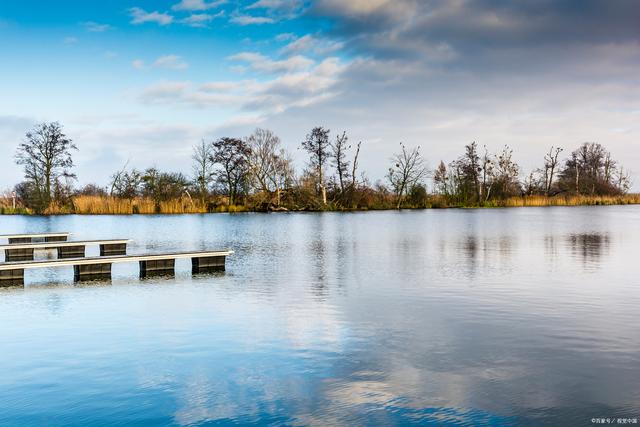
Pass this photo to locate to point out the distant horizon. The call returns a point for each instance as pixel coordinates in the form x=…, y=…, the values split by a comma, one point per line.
x=144, y=81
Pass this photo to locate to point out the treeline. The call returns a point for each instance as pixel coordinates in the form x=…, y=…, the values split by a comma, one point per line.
x=257, y=173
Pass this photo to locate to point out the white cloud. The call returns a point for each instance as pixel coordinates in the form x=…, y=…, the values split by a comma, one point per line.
x=95, y=27
x=169, y=62
x=292, y=89
x=251, y=20
x=264, y=64
x=70, y=40
x=309, y=43
x=283, y=37
x=193, y=5
x=279, y=9
x=276, y=4
x=140, y=16
x=172, y=62
x=200, y=20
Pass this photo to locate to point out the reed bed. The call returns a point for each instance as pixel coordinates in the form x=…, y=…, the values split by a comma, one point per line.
x=568, y=200
x=96, y=205
x=106, y=205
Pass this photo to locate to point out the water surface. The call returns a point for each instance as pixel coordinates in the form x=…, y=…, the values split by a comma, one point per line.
x=455, y=317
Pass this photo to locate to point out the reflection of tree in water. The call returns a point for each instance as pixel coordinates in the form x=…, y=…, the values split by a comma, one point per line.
x=590, y=247
x=317, y=249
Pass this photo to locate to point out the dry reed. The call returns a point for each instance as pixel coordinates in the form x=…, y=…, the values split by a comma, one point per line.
x=96, y=205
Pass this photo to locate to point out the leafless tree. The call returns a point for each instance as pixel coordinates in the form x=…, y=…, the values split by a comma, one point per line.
x=505, y=174
x=203, y=168
x=354, y=168
x=550, y=167
x=440, y=179
x=270, y=165
x=126, y=184
x=45, y=155
x=339, y=149
x=408, y=170
x=317, y=145
x=487, y=168
x=231, y=154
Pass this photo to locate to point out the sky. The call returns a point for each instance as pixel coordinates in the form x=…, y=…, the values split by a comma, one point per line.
x=139, y=82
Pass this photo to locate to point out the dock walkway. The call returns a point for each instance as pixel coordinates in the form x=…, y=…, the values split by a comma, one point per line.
x=27, y=238
x=65, y=249
x=100, y=267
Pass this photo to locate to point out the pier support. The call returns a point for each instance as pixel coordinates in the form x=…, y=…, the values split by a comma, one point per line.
x=13, y=240
x=207, y=264
x=23, y=254
x=157, y=267
x=71, y=251
x=11, y=277
x=113, y=249
x=91, y=272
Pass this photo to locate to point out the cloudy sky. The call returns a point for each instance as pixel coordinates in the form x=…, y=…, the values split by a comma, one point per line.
x=141, y=81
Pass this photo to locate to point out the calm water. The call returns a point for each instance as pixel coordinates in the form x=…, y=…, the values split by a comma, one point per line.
x=458, y=317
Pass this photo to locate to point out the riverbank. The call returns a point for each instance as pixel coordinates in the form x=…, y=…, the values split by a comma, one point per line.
x=94, y=205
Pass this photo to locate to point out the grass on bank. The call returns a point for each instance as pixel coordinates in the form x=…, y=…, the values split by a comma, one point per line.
x=107, y=205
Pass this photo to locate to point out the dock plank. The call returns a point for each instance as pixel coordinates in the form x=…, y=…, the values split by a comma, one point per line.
x=115, y=259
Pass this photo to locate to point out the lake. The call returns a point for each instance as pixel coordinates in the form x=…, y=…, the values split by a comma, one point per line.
x=446, y=317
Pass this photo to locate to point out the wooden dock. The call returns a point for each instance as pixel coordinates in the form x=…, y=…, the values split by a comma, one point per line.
x=28, y=238
x=12, y=273
x=65, y=249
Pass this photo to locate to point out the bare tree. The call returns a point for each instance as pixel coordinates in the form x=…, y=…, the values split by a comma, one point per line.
x=317, y=145
x=232, y=156
x=126, y=184
x=550, y=167
x=408, y=170
x=270, y=165
x=264, y=146
x=354, y=168
x=339, y=151
x=45, y=155
x=487, y=167
x=203, y=168
x=505, y=174
x=440, y=178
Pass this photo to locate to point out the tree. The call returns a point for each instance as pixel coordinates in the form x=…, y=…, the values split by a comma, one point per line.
x=317, y=145
x=407, y=171
x=203, y=169
x=354, y=168
x=487, y=167
x=45, y=155
x=270, y=166
x=339, y=156
x=231, y=154
x=505, y=175
x=440, y=179
x=163, y=186
x=126, y=184
x=471, y=168
x=590, y=170
x=550, y=167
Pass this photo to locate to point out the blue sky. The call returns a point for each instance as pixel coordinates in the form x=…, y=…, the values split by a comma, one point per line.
x=142, y=81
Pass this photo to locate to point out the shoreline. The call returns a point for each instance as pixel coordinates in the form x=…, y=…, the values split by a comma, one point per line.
x=181, y=207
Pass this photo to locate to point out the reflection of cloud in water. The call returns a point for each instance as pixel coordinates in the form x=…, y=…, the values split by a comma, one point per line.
x=402, y=393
